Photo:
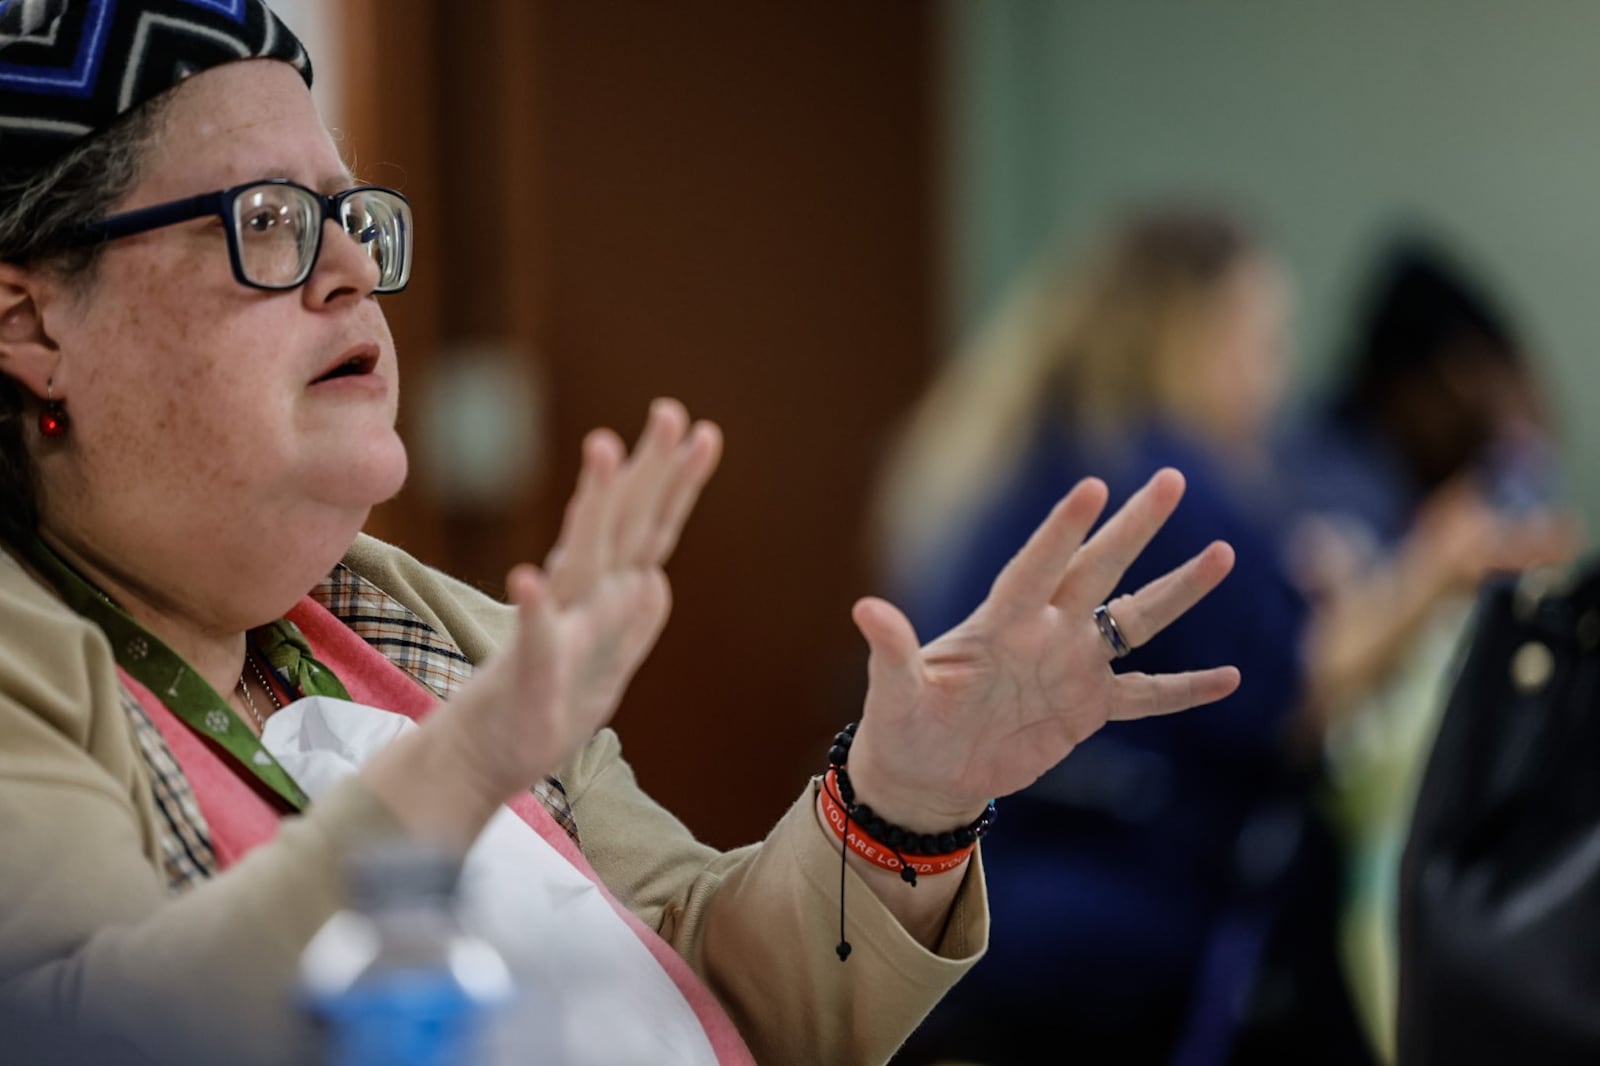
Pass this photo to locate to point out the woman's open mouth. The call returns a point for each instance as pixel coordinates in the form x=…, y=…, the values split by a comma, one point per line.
x=357, y=362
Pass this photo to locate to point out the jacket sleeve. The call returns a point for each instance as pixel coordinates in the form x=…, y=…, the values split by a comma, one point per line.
x=759, y=923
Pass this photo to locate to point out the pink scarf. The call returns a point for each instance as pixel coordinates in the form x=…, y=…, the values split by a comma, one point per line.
x=240, y=819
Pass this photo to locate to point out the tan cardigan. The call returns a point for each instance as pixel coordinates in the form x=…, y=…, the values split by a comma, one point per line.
x=92, y=943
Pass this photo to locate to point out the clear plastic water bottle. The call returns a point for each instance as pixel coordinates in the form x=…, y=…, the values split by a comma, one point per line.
x=395, y=979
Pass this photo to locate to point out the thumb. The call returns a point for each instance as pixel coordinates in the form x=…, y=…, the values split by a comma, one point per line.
x=528, y=589
x=895, y=662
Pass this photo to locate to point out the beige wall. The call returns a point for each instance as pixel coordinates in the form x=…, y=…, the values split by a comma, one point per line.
x=316, y=23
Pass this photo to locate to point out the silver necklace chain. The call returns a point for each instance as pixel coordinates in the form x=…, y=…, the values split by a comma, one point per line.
x=244, y=689
x=249, y=700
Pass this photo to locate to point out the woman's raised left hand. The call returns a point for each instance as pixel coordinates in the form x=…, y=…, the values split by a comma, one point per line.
x=587, y=620
x=628, y=511
x=983, y=710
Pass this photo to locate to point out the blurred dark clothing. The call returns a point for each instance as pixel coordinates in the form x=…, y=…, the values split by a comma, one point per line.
x=1339, y=465
x=1435, y=382
x=1336, y=463
x=1145, y=878
x=1499, y=893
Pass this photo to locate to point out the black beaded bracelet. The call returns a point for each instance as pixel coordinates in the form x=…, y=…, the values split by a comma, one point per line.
x=898, y=840
x=895, y=838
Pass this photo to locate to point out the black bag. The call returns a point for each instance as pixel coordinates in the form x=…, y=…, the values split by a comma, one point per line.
x=1499, y=895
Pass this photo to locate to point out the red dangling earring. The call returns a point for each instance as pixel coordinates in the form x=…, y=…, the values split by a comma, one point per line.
x=53, y=419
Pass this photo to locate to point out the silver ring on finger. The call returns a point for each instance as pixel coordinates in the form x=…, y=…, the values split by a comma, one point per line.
x=1111, y=632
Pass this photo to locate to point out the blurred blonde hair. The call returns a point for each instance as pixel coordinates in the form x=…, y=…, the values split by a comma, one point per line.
x=1092, y=341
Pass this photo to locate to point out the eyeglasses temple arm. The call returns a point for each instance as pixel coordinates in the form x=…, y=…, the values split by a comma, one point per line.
x=148, y=218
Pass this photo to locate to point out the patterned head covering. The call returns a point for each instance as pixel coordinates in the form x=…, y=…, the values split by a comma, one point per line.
x=68, y=68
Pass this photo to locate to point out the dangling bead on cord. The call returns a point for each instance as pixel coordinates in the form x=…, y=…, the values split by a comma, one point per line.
x=53, y=418
x=896, y=840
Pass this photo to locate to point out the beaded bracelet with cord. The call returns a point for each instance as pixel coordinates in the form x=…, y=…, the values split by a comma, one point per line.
x=950, y=847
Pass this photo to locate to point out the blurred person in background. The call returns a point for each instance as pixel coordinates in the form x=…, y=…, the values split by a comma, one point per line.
x=1431, y=463
x=1144, y=887
x=1436, y=405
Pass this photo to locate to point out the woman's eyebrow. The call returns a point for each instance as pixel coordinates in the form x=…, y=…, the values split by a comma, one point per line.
x=344, y=180
x=331, y=182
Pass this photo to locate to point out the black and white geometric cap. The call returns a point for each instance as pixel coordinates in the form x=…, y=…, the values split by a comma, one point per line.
x=68, y=68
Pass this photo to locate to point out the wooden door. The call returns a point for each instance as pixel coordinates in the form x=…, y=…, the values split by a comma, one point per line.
x=732, y=204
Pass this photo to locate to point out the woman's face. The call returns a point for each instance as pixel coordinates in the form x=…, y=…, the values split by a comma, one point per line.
x=1235, y=357
x=205, y=441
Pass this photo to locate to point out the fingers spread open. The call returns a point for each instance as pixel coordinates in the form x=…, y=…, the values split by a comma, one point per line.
x=696, y=461
x=647, y=477
x=1033, y=574
x=583, y=547
x=1143, y=614
x=1143, y=695
x=1098, y=567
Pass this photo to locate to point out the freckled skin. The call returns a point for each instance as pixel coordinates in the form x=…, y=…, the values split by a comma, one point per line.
x=202, y=475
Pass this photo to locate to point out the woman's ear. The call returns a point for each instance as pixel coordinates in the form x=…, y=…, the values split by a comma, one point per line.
x=27, y=352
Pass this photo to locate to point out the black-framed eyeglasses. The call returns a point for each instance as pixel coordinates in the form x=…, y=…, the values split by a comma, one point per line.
x=274, y=229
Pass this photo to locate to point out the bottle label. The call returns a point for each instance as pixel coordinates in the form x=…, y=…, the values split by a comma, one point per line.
x=401, y=1018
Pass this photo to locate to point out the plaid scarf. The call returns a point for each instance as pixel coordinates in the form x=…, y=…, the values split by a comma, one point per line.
x=388, y=626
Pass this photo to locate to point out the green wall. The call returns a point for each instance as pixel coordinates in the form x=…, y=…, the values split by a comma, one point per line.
x=1325, y=120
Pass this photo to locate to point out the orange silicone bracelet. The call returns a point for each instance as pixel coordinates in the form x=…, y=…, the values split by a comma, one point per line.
x=876, y=852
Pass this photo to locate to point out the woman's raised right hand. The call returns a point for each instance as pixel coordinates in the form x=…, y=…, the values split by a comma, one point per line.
x=585, y=623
